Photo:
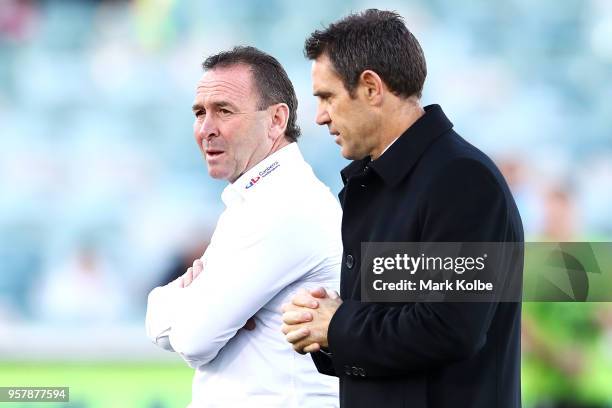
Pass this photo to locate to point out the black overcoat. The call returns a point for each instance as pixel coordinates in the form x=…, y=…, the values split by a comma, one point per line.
x=429, y=186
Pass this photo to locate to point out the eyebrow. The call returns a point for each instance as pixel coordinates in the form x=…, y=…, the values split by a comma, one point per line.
x=322, y=94
x=217, y=104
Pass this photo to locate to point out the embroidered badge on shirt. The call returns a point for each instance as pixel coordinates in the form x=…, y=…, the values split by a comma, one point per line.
x=262, y=174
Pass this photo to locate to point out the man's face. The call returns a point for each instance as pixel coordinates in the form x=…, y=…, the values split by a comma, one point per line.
x=349, y=119
x=230, y=131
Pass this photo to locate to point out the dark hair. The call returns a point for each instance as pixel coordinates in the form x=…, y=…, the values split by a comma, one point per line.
x=269, y=78
x=376, y=40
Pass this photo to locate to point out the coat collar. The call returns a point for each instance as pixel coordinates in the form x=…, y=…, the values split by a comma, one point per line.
x=403, y=154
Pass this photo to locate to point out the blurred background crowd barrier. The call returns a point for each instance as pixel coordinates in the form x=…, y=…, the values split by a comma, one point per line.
x=104, y=195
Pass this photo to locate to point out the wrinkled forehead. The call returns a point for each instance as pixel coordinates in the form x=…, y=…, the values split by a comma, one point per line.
x=231, y=84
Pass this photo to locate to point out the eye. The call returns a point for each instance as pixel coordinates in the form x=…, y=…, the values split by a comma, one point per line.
x=224, y=112
x=199, y=113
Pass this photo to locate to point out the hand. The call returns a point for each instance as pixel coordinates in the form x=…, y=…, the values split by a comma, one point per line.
x=306, y=319
x=188, y=277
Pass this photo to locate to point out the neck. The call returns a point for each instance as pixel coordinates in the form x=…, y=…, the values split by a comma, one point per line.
x=404, y=113
x=279, y=144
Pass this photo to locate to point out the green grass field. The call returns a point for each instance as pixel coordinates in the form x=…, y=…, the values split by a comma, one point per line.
x=168, y=385
x=104, y=385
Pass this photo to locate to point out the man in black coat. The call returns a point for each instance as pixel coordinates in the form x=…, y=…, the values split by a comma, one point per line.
x=413, y=179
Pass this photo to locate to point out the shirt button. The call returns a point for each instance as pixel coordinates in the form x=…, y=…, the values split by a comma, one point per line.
x=349, y=261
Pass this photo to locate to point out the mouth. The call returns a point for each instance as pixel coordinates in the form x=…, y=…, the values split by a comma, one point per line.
x=336, y=136
x=212, y=153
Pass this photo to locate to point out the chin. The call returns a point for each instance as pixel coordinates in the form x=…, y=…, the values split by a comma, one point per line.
x=216, y=174
x=351, y=154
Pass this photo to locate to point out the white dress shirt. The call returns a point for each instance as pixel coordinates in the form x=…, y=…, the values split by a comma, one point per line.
x=280, y=232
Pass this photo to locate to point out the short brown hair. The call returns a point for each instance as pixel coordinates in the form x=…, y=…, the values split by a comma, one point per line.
x=377, y=40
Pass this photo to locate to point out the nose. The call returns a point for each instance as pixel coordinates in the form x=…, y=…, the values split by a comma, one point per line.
x=322, y=117
x=206, y=128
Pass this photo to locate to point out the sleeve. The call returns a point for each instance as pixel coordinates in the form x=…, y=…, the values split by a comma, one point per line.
x=464, y=203
x=239, y=278
x=323, y=362
x=157, y=321
x=160, y=303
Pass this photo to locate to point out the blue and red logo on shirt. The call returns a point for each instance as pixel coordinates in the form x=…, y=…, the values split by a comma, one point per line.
x=262, y=174
x=252, y=182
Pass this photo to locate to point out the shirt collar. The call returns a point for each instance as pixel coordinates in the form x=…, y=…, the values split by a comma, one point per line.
x=389, y=145
x=404, y=152
x=265, y=173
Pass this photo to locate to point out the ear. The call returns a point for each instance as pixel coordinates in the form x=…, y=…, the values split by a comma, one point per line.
x=279, y=116
x=371, y=86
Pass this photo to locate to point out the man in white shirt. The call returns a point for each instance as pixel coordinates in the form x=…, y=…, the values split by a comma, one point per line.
x=280, y=231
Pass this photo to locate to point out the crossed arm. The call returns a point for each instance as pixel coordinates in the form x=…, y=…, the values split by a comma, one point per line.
x=184, y=315
x=161, y=335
